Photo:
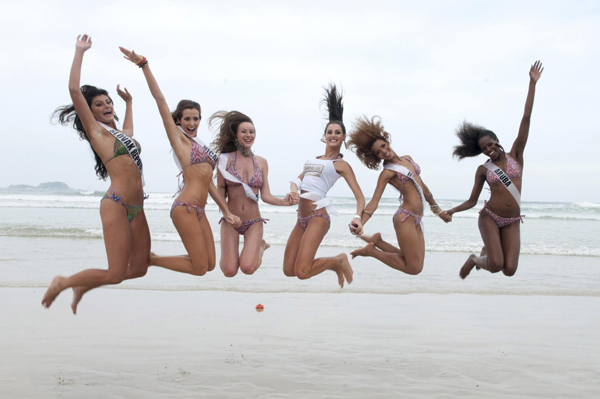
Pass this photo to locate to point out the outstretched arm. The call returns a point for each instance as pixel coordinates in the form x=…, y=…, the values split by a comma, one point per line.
x=382, y=181
x=344, y=169
x=220, y=201
x=477, y=187
x=535, y=72
x=435, y=208
x=92, y=129
x=173, y=132
x=265, y=191
x=128, y=121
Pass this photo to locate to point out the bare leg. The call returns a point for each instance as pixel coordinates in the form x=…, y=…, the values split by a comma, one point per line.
x=493, y=258
x=251, y=256
x=380, y=243
x=230, y=250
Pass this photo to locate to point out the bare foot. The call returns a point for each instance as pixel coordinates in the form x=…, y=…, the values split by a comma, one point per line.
x=467, y=267
x=483, y=253
x=365, y=251
x=265, y=245
x=77, y=295
x=151, y=259
x=375, y=238
x=345, y=267
x=52, y=292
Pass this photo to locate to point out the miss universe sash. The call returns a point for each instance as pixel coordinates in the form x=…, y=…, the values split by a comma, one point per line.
x=129, y=146
x=406, y=172
x=228, y=176
x=505, y=181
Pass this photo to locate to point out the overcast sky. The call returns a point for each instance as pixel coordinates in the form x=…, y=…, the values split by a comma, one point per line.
x=423, y=67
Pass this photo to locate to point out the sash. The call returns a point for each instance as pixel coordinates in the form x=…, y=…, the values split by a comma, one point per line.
x=130, y=146
x=320, y=202
x=211, y=154
x=406, y=172
x=505, y=181
x=228, y=176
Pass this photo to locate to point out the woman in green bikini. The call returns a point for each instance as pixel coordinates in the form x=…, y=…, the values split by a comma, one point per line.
x=126, y=233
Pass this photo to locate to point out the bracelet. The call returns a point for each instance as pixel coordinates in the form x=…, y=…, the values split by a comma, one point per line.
x=435, y=208
x=357, y=217
x=142, y=62
x=368, y=213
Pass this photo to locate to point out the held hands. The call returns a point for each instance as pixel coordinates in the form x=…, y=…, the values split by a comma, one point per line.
x=124, y=94
x=536, y=71
x=292, y=198
x=356, y=227
x=445, y=216
x=233, y=220
x=84, y=42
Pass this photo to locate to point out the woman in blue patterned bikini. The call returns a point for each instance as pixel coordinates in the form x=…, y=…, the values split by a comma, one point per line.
x=126, y=233
x=503, y=172
x=241, y=177
x=197, y=163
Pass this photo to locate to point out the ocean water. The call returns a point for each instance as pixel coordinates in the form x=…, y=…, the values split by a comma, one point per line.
x=46, y=232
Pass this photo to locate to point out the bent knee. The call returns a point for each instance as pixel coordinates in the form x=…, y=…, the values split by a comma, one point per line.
x=115, y=278
x=199, y=268
x=495, y=265
x=229, y=270
x=302, y=272
x=413, y=271
x=510, y=271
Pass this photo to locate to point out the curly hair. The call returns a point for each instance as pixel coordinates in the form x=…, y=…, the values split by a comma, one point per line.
x=66, y=114
x=469, y=135
x=335, y=107
x=182, y=106
x=365, y=132
x=228, y=123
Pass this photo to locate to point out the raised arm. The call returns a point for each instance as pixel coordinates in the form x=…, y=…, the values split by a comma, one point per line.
x=345, y=170
x=265, y=191
x=92, y=128
x=128, y=121
x=173, y=132
x=535, y=72
x=477, y=187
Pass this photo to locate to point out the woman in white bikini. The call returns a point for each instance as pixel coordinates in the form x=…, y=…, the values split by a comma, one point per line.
x=241, y=177
x=503, y=172
x=317, y=178
x=371, y=143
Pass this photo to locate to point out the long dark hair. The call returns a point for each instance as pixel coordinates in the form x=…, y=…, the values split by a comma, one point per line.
x=182, y=106
x=469, y=135
x=335, y=107
x=227, y=123
x=67, y=114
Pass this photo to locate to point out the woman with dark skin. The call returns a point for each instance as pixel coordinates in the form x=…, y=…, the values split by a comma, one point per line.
x=372, y=146
x=197, y=163
x=318, y=177
x=124, y=225
x=234, y=141
x=499, y=219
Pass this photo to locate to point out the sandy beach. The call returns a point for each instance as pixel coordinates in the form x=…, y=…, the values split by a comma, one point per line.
x=180, y=344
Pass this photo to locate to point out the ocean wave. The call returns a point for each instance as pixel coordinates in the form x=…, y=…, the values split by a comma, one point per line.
x=41, y=231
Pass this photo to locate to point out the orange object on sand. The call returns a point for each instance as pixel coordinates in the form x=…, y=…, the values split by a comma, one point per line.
x=260, y=308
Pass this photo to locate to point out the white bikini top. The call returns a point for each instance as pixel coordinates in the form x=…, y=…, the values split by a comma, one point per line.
x=319, y=176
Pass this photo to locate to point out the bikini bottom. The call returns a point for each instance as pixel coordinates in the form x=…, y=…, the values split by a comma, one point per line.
x=406, y=215
x=132, y=210
x=304, y=220
x=501, y=221
x=246, y=224
x=199, y=211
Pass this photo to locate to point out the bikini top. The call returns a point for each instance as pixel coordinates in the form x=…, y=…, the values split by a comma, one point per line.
x=256, y=181
x=319, y=175
x=513, y=170
x=403, y=178
x=120, y=149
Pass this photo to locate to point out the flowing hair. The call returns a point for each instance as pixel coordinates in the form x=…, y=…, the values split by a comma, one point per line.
x=182, y=106
x=365, y=132
x=227, y=124
x=469, y=135
x=66, y=114
x=335, y=107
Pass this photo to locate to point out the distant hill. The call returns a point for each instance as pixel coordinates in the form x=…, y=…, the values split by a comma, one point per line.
x=55, y=187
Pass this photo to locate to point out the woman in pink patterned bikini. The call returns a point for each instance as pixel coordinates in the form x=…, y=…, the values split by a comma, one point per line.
x=196, y=162
x=241, y=177
x=499, y=219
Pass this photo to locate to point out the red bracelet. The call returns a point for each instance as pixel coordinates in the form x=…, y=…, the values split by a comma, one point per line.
x=142, y=62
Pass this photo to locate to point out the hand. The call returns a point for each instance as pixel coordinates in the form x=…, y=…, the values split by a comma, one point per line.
x=356, y=227
x=233, y=220
x=295, y=197
x=84, y=42
x=445, y=216
x=130, y=55
x=125, y=95
x=536, y=71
